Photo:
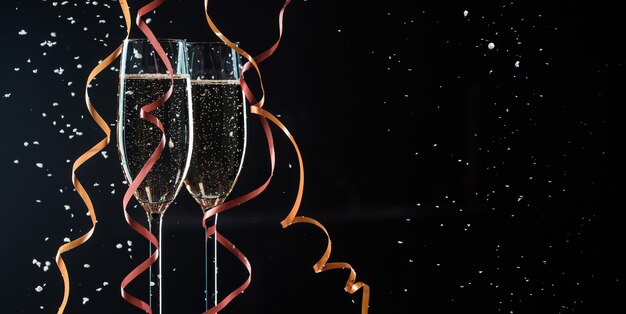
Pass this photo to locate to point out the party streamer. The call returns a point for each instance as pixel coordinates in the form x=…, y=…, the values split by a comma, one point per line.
x=145, y=113
x=351, y=285
x=83, y=158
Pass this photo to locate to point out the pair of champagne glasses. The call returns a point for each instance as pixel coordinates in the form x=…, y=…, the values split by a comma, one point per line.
x=205, y=129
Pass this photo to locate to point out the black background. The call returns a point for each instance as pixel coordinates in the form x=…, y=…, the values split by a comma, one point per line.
x=453, y=180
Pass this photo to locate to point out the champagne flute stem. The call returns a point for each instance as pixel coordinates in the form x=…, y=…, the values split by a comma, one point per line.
x=215, y=263
x=154, y=223
x=210, y=288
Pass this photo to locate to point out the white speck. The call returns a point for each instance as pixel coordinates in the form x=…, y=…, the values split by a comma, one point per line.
x=25, y=144
x=53, y=34
x=16, y=69
x=79, y=66
x=59, y=71
x=67, y=207
x=118, y=246
x=66, y=239
x=148, y=20
x=46, y=268
x=35, y=261
x=35, y=71
x=104, y=154
x=23, y=32
x=99, y=289
x=85, y=300
x=400, y=242
x=339, y=31
x=39, y=288
x=86, y=265
x=104, y=284
x=517, y=64
x=491, y=46
x=152, y=284
x=46, y=239
x=48, y=43
x=39, y=165
x=136, y=54
x=129, y=242
x=465, y=13
x=7, y=95
x=16, y=161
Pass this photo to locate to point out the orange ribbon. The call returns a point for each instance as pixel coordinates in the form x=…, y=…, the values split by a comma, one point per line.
x=83, y=158
x=146, y=114
x=351, y=285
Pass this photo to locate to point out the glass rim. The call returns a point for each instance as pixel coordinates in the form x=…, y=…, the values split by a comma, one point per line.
x=158, y=39
x=211, y=43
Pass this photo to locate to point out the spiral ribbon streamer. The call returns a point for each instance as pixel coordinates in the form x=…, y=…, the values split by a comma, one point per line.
x=322, y=264
x=146, y=114
x=84, y=158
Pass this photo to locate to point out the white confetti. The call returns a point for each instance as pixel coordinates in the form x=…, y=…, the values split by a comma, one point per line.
x=39, y=288
x=465, y=13
x=517, y=64
x=491, y=46
x=22, y=32
x=39, y=165
x=118, y=246
x=85, y=300
x=86, y=265
x=66, y=239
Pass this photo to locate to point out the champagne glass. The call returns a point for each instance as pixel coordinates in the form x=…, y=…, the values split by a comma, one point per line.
x=143, y=80
x=219, y=115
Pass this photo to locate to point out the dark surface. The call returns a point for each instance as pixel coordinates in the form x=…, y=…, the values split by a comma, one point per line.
x=452, y=180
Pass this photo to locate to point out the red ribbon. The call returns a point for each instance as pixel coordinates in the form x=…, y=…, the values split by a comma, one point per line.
x=351, y=285
x=86, y=156
x=146, y=114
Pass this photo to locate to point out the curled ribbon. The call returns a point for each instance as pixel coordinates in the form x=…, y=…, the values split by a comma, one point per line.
x=83, y=158
x=145, y=113
x=351, y=285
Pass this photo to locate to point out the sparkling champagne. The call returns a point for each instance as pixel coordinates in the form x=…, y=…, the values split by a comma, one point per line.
x=219, y=140
x=138, y=138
